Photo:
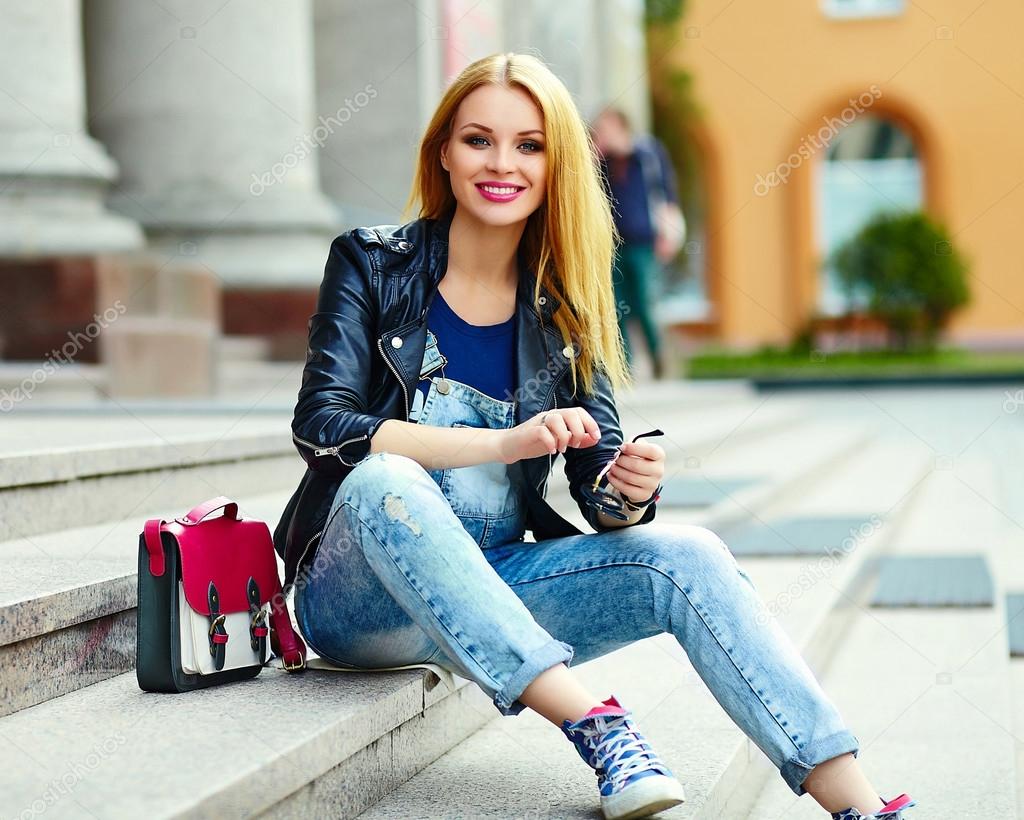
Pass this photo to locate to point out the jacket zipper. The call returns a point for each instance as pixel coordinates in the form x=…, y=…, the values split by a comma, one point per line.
x=318, y=450
x=554, y=398
x=309, y=543
x=391, y=367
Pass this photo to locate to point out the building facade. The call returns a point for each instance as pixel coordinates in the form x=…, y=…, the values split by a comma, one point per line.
x=812, y=116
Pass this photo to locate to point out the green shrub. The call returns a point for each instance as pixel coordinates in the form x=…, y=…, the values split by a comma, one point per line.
x=912, y=276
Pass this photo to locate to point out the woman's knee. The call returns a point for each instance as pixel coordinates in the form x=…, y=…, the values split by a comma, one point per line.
x=691, y=547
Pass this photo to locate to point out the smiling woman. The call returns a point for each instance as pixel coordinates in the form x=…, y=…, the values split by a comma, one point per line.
x=437, y=388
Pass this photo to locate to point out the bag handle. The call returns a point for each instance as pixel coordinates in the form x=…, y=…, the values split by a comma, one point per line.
x=200, y=511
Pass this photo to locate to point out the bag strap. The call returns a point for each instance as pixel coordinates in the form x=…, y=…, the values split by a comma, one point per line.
x=284, y=641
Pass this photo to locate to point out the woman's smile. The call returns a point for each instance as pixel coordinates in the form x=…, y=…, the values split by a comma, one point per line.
x=496, y=192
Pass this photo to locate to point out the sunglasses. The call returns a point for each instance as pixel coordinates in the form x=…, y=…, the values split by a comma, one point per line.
x=602, y=498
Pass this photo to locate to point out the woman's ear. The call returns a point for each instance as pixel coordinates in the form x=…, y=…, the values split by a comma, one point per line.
x=444, y=155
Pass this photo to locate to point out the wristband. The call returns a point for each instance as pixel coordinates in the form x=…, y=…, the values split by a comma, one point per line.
x=637, y=506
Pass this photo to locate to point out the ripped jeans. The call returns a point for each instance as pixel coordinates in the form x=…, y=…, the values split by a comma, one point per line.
x=398, y=579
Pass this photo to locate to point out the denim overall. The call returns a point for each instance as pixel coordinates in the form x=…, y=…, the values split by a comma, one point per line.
x=429, y=567
x=486, y=497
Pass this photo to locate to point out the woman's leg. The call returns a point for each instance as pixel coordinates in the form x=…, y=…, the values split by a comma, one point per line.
x=346, y=614
x=395, y=516
x=557, y=695
x=604, y=591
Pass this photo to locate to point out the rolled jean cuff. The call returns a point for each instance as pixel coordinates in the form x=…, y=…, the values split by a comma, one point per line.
x=553, y=652
x=795, y=770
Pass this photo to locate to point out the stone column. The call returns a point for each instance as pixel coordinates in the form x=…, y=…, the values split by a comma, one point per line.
x=53, y=179
x=373, y=100
x=209, y=110
x=53, y=175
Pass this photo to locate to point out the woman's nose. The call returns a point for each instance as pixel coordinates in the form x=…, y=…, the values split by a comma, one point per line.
x=502, y=160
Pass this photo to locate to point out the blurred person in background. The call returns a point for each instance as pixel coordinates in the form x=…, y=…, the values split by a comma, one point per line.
x=640, y=181
x=450, y=361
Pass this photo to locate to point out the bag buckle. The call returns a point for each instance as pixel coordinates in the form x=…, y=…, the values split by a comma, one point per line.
x=218, y=634
x=294, y=666
x=257, y=618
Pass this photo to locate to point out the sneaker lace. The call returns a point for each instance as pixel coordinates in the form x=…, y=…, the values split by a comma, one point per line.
x=619, y=752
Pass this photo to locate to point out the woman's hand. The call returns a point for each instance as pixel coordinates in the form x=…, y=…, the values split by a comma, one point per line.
x=638, y=470
x=548, y=433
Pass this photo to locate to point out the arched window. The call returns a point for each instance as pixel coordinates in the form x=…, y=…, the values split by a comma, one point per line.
x=871, y=165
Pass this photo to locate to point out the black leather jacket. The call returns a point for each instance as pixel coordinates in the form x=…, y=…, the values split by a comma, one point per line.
x=366, y=342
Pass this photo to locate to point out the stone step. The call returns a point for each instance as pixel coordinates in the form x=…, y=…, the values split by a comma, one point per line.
x=101, y=468
x=655, y=678
x=49, y=381
x=239, y=750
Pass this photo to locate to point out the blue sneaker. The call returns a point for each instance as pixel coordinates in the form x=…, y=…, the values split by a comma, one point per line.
x=631, y=779
x=892, y=810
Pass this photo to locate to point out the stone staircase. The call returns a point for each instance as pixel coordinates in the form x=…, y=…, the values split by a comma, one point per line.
x=82, y=740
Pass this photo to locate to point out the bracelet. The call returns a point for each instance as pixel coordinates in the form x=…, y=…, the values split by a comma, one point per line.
x=636, y=507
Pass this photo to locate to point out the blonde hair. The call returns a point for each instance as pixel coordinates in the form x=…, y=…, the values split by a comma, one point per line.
x=569, y=241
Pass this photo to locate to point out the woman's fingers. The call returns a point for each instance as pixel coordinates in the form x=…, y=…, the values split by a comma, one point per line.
x=636, y=464
x=589, y=425
x=555, y=422
x=548, y=439
x=574, y=422
x=581, y=425
x=624, y=484
x=570, y=427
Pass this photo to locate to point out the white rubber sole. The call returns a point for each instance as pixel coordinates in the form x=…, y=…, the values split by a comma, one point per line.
x=645, y=797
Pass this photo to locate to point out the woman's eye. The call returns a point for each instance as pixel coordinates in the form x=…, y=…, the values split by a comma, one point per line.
x=534, y=146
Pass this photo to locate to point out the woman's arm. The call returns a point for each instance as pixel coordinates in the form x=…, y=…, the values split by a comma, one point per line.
x=331, y=427
x=438, y=448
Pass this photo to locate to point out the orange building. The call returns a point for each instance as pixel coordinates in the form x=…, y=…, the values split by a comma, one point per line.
x=814, y=113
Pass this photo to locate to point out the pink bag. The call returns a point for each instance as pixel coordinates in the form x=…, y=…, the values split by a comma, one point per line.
x=206, y=587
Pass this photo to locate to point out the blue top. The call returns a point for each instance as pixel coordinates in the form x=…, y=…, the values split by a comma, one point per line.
x=628, y=189
x=482, y=356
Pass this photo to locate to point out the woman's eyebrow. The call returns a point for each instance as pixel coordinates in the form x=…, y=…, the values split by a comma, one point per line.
x=491, y=130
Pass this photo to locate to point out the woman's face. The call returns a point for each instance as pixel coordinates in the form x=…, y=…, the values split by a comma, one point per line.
x=495, y=156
